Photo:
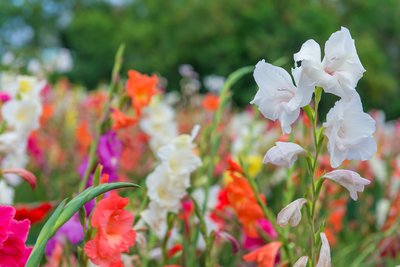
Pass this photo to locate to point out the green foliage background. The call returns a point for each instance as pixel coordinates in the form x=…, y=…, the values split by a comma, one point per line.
x=215, y=36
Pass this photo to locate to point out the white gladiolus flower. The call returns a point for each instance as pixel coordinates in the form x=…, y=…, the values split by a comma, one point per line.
x=22, y=115
x=156, y=217
x=26, y=87
x=338, y=73
x=6, y=194
x=165, y=190
x=325, y=253
x=11, y=141
x=179, y=156
x=291, y=213
x=301, y=262
x=350, y=180
x=276, y=90
x=158, y=122
x=283, y=154
x=168, y=183
x=350, y=132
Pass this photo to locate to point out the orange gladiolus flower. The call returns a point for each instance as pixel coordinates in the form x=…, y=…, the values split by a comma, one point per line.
x=264, y=256
x=121, y=120
x=210, y=102
x=114, y=232
x=242, y=199
x=141, y=88
x=83, y=137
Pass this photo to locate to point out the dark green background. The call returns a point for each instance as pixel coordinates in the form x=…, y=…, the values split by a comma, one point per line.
x=215, y=36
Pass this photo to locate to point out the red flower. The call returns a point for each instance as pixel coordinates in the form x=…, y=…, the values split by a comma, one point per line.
x=210, y=102
x=34, y=215
x=114, y=232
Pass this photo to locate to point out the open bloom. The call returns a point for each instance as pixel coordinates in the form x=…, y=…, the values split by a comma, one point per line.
x=350, y=180
x=283, y=154
x=325, y=253
x=178, y=155
x=301, y=262
x=121, y=120
x=264, y=256
x=276, y=89
x=114, y=231
x=13, y=234
x=26, y=87
x=141, y=88
x=291, y=213
x=22, y=115
x=166, y=189
x=350, y=132
x=158, y=122
x=338, y=73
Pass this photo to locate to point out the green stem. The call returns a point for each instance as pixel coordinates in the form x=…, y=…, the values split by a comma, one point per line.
x=208, y=239
x=315, y=189
x=113, y=86
x=170, y=219
x=215, y=137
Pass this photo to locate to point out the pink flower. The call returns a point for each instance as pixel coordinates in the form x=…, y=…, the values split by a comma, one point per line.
x=24, y=174
x=13, y=234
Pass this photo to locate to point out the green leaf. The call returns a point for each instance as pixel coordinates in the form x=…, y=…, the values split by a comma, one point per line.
x=310, y=113
x=44, y=236
x=318, y=94
x=320, y=136
x=97, y=174
x=310, y=160
x=319, y=185
x=63, y=213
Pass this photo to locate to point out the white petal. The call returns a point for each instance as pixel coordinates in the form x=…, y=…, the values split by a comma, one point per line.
x=350, y=180
x=283, y=154
x=349, y=131
x=291, y=213
x=325, y=253
x=310, y=50
x=301, y=262
x=276, y=90
x=342, y=63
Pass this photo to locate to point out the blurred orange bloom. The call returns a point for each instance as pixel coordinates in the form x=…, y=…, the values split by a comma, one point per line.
x=210, y=102
x=121, y=120
x=141, y=88
x=264, y=256
x=115, y=232
x=83, y=137
x=242, y=199
x=47, y=113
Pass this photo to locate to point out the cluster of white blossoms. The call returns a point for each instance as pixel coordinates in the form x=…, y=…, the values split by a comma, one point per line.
x=158, y=122
x=167, y=184
x=20, y=110
x=349, y=130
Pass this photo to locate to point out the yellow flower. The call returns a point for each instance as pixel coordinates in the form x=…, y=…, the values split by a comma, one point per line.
x=254, y=163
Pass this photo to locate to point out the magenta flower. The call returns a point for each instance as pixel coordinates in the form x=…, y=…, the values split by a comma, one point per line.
x=71, y=231
x=251, y=243
x=13, y=235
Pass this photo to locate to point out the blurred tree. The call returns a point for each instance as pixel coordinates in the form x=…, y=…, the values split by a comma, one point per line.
x=220, y=36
